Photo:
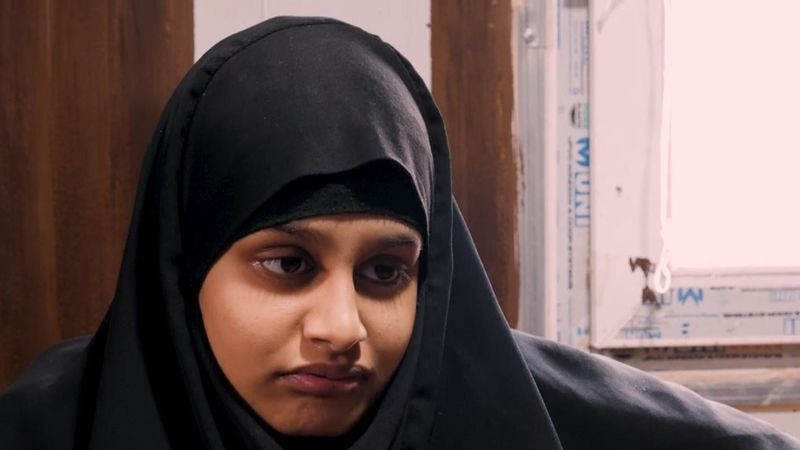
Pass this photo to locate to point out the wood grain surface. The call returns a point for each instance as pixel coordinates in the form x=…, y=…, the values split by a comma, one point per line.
x=473, y=84
x=81, y=88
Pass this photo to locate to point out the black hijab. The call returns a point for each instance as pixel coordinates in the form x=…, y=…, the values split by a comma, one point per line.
x=287, y=99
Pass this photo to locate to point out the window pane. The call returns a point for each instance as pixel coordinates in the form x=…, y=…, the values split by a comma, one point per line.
x=733, y=73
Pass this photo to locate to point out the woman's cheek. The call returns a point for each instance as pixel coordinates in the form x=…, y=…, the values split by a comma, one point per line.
x=260, y=322
x=390, y=324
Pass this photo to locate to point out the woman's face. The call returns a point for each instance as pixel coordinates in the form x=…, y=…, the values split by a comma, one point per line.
x=309, y=320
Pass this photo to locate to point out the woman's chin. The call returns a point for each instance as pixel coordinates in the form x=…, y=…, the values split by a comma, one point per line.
x=314, y=422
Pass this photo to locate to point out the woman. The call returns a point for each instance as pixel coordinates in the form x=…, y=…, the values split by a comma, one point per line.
x=297, y=275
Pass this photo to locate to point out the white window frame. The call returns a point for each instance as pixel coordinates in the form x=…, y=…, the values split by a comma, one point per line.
x=568, y=271
x=743, y=306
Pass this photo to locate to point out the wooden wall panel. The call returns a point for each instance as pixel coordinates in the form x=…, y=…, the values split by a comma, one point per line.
x=81, y=88
x=473, y=84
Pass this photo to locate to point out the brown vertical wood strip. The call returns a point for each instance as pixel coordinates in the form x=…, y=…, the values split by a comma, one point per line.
x=473, y=84
x=81, y=88
x=28, y=316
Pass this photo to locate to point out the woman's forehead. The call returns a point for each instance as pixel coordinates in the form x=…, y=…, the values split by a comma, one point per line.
x=385, y=226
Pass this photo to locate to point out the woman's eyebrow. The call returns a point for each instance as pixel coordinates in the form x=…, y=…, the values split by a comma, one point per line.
x=400, y=240
x=298, y=230
x=387, y=241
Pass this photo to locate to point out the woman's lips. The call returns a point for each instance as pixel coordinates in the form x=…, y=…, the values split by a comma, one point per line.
x=325, y=380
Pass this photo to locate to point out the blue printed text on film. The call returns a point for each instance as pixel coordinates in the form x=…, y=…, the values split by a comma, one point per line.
x=580, y=195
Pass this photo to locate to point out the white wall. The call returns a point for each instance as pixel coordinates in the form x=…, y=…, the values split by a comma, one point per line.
x=403, y=24
x=787, y=421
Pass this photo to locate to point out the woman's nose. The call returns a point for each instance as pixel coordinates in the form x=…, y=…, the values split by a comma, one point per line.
x=334, y=321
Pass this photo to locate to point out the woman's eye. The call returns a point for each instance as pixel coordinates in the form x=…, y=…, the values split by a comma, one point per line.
x=286, y=265
x=383, y=272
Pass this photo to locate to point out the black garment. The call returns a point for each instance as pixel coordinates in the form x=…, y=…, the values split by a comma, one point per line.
x=292, y=98
x=376, y=188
